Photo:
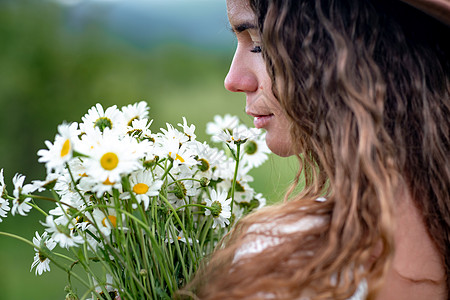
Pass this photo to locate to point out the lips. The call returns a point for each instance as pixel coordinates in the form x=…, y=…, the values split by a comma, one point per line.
x=260, y=120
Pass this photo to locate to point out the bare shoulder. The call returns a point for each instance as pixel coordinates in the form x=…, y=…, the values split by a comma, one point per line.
x=417, y=271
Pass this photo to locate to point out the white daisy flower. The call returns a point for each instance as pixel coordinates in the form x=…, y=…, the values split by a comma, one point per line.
x=180, y=155
x=65, y=188
x=178, y=191
x=90, y=139
x=60, y=152
x=91, y=185
x=188, y=129
x=261, y=200
x=173, y=135
x=140, y=128
x=238, y=135
x=112, y=292
x=2, y=184
x=238, y=212
x=209, y=160
x=243, y=192
x=41, y=261
x=97, y=117
x=225, y=170
x=136, y=111
x=221, y=124
x=62, y=233
x=144, y=186
x=20, y=202
x=255, y=152
x=114, y=157
x=179, y=236
x=4, y=208
x=49, y=182
x=220, y=208
x=105, y=221
x=4, y=203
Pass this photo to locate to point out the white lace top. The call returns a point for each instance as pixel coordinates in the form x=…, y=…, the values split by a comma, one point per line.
x=263, y=241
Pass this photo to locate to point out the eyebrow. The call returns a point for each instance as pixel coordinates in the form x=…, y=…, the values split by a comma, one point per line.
x=242, y=27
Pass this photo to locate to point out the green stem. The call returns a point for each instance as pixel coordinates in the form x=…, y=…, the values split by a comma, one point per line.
x=233, y=187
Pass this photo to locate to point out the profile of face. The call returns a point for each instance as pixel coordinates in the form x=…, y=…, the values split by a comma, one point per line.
x=248, y=74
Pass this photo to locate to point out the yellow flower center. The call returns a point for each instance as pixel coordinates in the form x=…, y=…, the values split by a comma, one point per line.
x=112, y=219
x=178, y=157
x=107, y=182
x=109, y=161
x=140, y=188
x=65, y=148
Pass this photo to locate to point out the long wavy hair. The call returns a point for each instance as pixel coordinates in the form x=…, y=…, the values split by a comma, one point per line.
x=366, y=84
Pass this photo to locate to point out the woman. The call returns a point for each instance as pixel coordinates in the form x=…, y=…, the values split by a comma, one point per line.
x=360, y=91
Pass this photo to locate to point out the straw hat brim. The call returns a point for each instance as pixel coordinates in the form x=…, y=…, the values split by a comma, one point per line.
x=439, y=9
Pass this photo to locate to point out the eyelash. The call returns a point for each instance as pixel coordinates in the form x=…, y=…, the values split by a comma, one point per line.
x=256, y=49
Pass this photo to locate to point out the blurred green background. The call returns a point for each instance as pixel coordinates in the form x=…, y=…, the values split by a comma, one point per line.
x=59, y=58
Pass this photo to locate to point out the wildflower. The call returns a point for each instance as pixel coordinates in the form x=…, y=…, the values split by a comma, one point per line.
x=141, y=129
x=61, y=151
x=238, y=135
x=41, y=260
x=220, y=208
x=2, y=184
x=97, y=117
x=180, y=155
x=91, y=185
x=112, y=292
x=132, y=112
x=20, y=202
x=62, y=233
x=209, y=160
x=188, y=130
x=113, y=157
x=261, y=200
x=173, y=135
x=4, y=208
x=66, y=190
x=4, y=203
x=255, y=152
x=144, y=186
x=48, y=183
x=105, y=220
x=178, y=190
x=225, y=124
x=179, y=236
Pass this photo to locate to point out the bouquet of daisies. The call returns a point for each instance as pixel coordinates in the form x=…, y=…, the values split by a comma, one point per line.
x=135, y=211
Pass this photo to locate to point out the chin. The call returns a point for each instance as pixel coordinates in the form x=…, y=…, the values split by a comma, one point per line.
x=280, y=147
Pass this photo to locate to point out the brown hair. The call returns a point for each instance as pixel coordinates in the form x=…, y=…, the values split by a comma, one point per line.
x=367, y=87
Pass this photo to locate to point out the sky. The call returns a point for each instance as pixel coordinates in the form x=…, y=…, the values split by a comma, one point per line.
x=202, y=23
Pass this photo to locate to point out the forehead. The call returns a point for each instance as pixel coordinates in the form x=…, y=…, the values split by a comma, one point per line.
x=239, y=11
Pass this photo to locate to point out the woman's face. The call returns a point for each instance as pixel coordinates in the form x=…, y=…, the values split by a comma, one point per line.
x=248, y=75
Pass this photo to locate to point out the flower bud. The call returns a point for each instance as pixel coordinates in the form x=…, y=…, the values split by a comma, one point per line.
x=204, y=182
x=180, y=190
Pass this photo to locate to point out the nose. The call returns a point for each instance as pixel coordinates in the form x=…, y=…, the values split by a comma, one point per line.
x=241, y=76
